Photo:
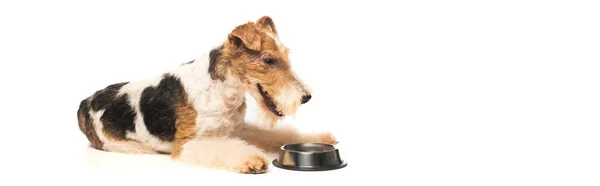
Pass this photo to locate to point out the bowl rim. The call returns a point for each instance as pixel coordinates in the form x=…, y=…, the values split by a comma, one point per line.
x=334, y=149
x=316, y=168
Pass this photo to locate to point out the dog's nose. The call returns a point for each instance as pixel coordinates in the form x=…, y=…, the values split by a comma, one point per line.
x=306, y=98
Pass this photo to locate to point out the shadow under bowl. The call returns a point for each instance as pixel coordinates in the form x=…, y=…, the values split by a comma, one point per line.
x=309, y=157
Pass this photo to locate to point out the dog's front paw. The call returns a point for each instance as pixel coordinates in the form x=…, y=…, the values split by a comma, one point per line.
x=327, y=138
x=255, y=164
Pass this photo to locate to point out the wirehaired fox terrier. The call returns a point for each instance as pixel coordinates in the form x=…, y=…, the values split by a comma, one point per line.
x=196, y=112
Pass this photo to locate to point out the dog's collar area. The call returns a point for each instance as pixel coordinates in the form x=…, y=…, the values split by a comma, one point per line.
x=270, y=103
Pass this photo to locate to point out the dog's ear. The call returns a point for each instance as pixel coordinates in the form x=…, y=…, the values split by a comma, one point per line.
x=267, y=23
x=246, y=36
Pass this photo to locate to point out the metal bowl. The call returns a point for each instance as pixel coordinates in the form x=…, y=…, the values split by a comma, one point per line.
x=309, y=157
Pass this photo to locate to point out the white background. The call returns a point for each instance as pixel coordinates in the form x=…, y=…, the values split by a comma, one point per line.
x=418, y=92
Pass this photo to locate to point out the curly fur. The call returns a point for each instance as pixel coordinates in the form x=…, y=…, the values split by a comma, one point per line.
x=196, y=111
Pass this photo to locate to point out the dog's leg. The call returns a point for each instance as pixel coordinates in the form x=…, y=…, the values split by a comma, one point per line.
x=224, y=153
x=128, y=147
x=271, y=140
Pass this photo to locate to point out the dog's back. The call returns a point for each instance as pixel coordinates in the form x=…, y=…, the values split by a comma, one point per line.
x=135, y=117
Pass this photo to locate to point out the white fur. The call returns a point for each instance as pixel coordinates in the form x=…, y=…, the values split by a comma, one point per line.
x=289, y=99
x=220, y=108
x=215, y=102
x=279, y=43
x=194, y=77
x=134, y=90
x=95, y=116
x=130, y=147
x=222, y=153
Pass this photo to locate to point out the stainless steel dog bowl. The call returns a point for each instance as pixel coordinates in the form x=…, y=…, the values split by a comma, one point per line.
x=309, y=157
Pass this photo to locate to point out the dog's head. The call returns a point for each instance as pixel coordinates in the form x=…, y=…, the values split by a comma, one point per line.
x=254, y=56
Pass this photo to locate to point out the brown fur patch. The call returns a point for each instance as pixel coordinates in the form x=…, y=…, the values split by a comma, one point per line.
x=86, y=125
x=255, y=165
x=267, y=23
x=185, y=125
x=248, y=35
x=254, y=55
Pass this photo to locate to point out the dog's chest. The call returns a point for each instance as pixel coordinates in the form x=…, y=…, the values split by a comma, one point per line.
x=220, y=110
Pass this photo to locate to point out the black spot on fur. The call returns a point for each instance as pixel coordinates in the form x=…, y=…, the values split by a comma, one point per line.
x=158, y=103
x=118, y=116
x=189, y=62
x=106, y=96
x=84, y=109
x=214, y=55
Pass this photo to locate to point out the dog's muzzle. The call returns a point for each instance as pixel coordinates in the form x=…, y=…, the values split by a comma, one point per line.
x=268, y=100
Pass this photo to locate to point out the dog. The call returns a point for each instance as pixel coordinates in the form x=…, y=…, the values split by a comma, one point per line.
x=196, y=111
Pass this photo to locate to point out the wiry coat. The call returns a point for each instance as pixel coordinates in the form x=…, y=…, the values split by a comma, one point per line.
x=196, y=111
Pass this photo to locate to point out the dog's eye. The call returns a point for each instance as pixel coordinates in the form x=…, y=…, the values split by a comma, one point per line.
x=269, y=61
